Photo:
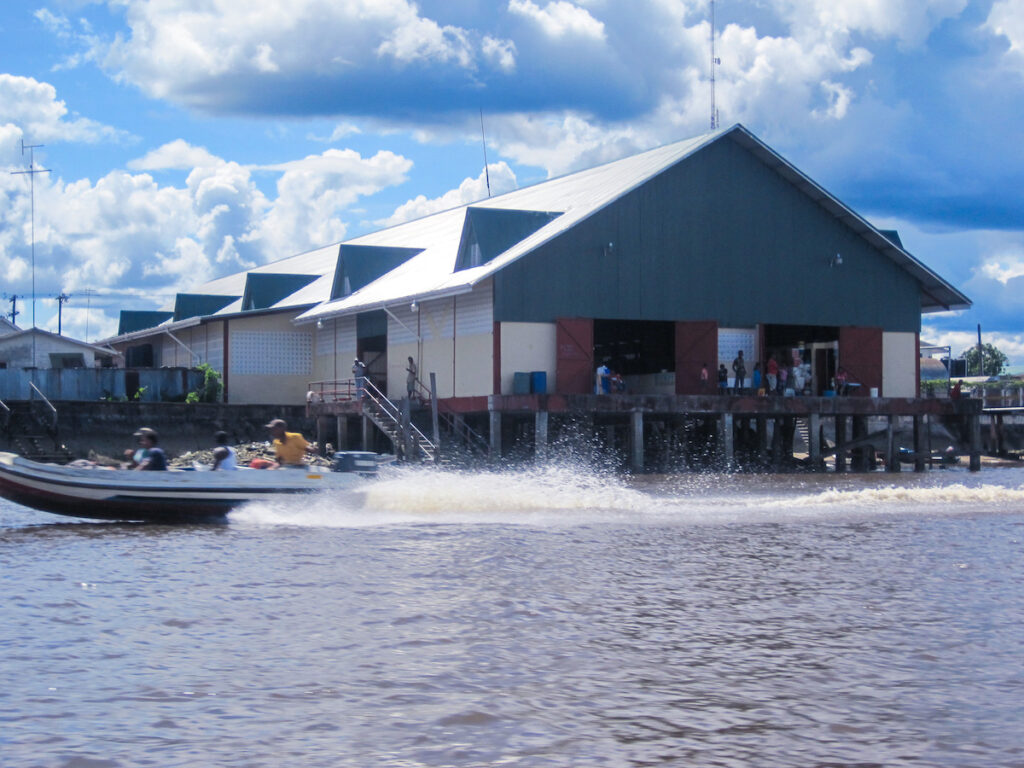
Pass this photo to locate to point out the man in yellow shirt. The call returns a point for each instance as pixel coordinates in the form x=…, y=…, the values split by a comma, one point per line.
x=290, y=447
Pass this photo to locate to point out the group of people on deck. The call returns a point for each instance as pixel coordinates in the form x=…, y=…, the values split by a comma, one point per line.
x=775, y=379
x=290, y=450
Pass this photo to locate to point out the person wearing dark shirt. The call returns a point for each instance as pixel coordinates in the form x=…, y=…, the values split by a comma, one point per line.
x=149, y=456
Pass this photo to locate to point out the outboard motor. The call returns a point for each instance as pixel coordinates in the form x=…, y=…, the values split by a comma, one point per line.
x=362, y=462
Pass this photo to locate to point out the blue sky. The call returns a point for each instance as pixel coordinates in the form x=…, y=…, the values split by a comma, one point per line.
x=188, y=139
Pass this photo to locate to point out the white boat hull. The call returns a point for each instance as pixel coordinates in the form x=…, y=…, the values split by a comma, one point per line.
x=172, y=496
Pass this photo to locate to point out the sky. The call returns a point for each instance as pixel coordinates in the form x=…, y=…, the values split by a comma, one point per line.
x=184, y=140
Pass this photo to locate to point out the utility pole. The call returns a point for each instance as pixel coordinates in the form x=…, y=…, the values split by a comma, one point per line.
x=981, y=354
x=31, y=172
x=61, y=299
x=14, y=308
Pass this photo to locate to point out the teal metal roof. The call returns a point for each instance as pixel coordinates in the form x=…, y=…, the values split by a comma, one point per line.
x=137, y=320
x=199, y=304
x=263, y=290
x=489, y=232
x=360, y=265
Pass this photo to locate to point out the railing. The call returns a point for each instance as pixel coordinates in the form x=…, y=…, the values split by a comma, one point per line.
x=346, y=391
x=331, y=391
x=457, y=426
x=53, y=410
x=405, y=428
x=5, y=414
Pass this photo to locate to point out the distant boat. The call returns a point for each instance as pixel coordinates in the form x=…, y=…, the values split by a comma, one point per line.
x=174, y=496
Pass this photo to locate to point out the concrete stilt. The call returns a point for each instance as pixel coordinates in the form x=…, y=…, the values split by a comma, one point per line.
x=840, y=443
x=777, y=443
x=974, y=427
x=726, y=441
x=859, y=460
x=921, y=425
x=341, y=433
x=636, y=441
x=367, y=426
x=540, y=434
x=762, y=439
x=814, y=439
x=892, y=458
x=495, y=435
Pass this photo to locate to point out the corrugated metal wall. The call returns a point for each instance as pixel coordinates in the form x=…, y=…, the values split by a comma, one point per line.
x=719, y=236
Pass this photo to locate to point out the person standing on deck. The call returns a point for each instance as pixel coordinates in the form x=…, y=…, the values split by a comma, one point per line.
x=410, y=379
x=772, y=374
x=739, y=369
x=359, y=374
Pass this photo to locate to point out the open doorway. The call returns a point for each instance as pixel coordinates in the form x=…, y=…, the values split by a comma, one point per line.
x=808, y=353
x=372, y=346
x=642, y=352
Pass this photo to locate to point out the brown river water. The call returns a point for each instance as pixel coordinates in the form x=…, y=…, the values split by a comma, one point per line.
x=552, y=617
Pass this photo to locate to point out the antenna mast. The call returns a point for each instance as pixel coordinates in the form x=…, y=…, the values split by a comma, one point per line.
x=715, y=61
x=31, y=172
x=483, y=140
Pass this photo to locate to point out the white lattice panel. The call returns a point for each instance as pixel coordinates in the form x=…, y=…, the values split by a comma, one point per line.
x=731, y=340
x=282, y=353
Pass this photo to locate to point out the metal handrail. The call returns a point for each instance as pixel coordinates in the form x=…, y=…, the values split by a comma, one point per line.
x=469, y=434
x=392, y=410
x=53, y=410
x=6, y=414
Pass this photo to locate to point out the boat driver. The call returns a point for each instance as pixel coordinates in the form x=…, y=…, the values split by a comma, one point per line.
x=290, y=448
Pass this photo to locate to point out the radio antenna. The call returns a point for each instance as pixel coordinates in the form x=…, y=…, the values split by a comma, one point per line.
x=32, y=171
x=483, y=140
x=715, y=61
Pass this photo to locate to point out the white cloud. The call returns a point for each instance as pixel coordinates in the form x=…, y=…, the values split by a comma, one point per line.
x=175, y=155
x=1003, y=268
x=130, y=236
x=502, y=179
x=501, y=52
x=180, y=55
x=315, y=191
x=33, y=107
x=1006, y=18
x=559, y=18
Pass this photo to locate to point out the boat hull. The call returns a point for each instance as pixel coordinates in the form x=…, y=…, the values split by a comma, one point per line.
x=161, y=497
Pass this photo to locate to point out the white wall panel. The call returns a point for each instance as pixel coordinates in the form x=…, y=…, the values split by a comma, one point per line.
x=474, y=311
x=899, y=365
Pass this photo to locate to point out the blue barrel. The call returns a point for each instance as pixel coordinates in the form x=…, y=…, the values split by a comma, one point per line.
x=521, y=383
x=539, y=382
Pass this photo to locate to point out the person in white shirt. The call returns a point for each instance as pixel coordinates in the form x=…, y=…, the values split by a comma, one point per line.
x=224, y=456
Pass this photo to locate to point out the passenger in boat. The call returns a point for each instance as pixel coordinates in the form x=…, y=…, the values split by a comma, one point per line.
x=149, y=456
x=224, y=456
x=290, y=448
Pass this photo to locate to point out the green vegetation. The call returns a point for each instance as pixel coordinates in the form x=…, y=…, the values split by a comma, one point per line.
x=209, y=391
x=994, y=361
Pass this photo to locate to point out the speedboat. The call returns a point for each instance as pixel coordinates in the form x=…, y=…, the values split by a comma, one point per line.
x=174, y=496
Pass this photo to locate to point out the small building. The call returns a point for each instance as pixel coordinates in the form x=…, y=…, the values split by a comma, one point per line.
x=36, y=348
x=655, y=265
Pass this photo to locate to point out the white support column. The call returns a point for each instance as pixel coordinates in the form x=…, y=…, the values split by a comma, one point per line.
x=540, y=421
x=636, y=440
